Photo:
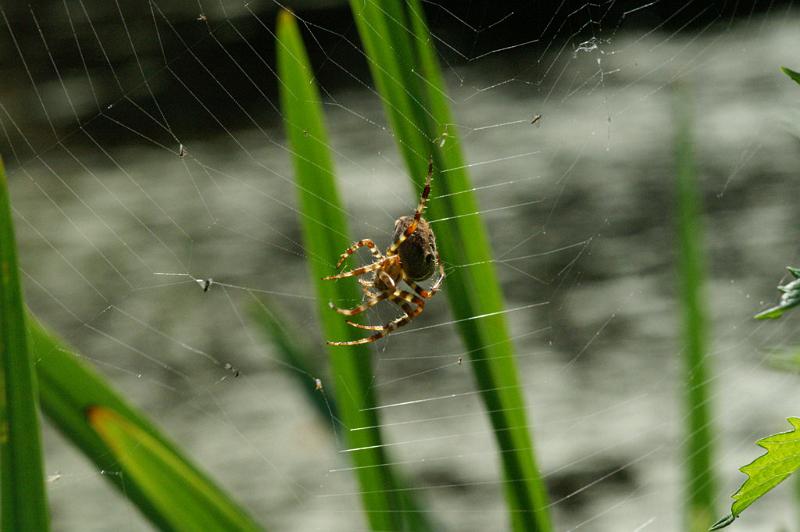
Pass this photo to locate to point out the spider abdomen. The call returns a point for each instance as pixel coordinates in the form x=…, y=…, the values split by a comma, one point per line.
x=418, y=251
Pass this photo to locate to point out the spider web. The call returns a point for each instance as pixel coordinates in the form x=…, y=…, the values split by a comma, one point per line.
x=146, y=156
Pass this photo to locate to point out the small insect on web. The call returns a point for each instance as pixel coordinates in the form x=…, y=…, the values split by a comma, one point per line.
x=410, y=258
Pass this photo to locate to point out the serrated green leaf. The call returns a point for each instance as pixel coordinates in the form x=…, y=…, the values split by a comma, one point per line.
x=792, y=74
x=790, y=297
x=24, y=501
x=182, y=495
x=767, y=471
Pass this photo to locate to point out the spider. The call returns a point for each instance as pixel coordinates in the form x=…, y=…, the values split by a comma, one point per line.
x=411, y=257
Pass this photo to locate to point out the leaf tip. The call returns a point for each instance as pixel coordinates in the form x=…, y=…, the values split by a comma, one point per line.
x=791, y=73
x=285, y=16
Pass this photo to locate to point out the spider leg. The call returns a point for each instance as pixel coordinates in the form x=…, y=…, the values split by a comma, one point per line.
x=362, y=326
x=365, y=287
x=427, y=294
x=364, y=306
x=401, y=298
x=423, y=201
x=438, y=283
x=392, y=296
x=358, y=271
x=360, y=244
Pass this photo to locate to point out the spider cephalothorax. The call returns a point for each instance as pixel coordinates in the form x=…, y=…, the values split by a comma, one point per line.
x=412, y=257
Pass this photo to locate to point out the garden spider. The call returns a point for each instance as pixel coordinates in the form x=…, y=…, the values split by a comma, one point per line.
x=411, y=257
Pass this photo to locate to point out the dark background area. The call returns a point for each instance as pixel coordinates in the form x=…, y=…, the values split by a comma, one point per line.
x=180, y=47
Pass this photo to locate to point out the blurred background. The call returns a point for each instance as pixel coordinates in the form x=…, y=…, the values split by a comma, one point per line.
x=145, y=150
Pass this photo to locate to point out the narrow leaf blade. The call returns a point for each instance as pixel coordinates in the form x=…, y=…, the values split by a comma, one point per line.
x=24, y=501
x=182, y=495
x=700, y=487
x=295, y=352
x=325, y=236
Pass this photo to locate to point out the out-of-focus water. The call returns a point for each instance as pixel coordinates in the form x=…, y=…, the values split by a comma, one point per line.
x=602, y=376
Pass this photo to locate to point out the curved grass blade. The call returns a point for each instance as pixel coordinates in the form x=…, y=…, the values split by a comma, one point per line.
x=67, y=388
x=24, y=501
x=767, y=471
x=175, y=488
x=700, y=485
x=325, y=236
x=406, y=72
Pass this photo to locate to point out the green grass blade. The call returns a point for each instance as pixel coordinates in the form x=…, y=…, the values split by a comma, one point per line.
x=767, y=471
x=68, y=388
x=180, y=494
x=296, y=353
x=325, y=236
x=700, y=483
x=792, y=74
x=24, y=501
x=406, y=72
